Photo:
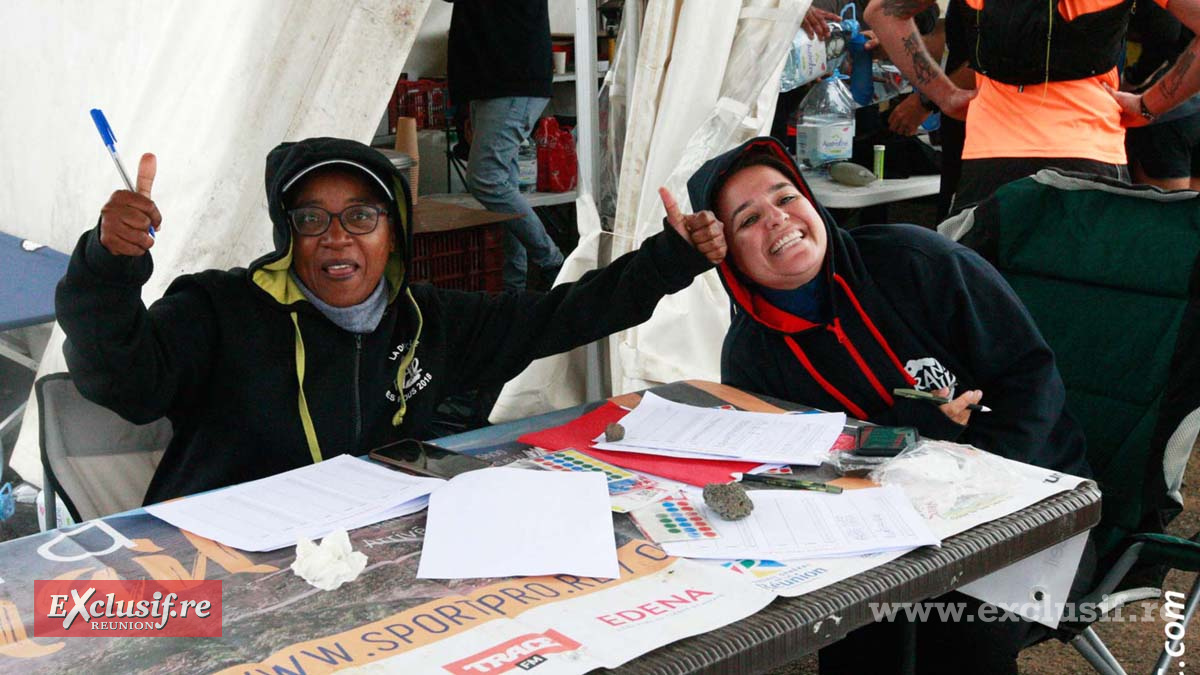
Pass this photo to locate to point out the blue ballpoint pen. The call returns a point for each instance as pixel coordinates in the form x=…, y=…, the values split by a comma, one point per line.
x=110, y=142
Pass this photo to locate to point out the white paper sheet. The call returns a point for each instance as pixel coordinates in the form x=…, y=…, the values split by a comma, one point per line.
x=344, y=492
x=789, y=524
x=659, y=426
x=510, y=522
x=1036, y=587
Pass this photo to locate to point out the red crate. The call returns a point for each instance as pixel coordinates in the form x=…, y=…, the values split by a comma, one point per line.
x=466, y=259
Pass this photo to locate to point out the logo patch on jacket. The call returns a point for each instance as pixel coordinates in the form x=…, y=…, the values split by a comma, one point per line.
x=931, y=375
x=415, y=379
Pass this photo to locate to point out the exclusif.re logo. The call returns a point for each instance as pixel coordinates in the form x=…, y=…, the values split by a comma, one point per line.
x=128, y=608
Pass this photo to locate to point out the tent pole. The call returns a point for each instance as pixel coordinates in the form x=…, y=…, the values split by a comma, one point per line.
x=586, y=92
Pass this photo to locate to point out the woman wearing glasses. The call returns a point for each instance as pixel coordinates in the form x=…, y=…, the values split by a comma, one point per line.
x=320, y=347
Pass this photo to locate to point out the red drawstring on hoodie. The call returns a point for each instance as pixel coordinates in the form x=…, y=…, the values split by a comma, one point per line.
x=862, y=314
x=836, y=328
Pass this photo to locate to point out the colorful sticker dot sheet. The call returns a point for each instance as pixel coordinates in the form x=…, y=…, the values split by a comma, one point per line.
x=619, y=480
x=673, y=519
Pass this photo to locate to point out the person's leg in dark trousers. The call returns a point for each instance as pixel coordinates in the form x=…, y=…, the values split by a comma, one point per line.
x=875, y=648
x=981, y=178
x=500, y=125
x=953, y=134
x=965, y=645
x=975, y=645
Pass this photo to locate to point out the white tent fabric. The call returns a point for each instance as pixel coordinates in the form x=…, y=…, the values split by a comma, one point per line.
x=706, y=79
x=209, y=87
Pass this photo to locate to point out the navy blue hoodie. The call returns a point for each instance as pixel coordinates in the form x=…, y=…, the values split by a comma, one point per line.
x=908, y=308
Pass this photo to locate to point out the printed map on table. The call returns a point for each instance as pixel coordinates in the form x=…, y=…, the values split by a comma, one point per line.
x=385, y=620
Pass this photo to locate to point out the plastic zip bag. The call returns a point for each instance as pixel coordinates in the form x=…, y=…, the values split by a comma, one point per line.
x=948, y=480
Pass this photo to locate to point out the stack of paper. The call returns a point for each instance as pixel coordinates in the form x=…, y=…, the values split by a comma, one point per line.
x=791, y=524
x=579, y=432
x=661, y=427
x=341, y=493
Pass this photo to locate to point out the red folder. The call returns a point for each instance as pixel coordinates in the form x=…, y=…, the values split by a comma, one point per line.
x=579, y=433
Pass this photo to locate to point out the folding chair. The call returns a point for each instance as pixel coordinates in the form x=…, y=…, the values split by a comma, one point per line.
x=96, y=462
x=1110, y=274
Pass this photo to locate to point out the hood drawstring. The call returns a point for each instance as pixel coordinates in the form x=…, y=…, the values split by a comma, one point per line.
x=310, y=432
x=836, y=328
x=879, y=339
x=407, y=361
x=825, y=384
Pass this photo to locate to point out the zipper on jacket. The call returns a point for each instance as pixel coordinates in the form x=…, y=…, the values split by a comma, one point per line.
x=844, y=340
x=357, y=402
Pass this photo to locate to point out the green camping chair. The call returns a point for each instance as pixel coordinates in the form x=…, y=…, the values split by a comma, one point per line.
x=1109, y=273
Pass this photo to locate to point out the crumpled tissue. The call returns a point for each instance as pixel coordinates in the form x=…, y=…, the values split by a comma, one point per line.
x=330, y=564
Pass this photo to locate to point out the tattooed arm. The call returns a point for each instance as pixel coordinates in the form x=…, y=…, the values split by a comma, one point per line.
x=1178, y=84
x=893, y=23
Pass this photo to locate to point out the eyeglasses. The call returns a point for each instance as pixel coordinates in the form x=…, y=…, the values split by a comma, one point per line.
x=313, y=221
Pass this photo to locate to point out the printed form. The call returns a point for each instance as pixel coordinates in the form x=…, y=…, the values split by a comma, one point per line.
x=341, y=493
x=659, y=426
x=790, y=524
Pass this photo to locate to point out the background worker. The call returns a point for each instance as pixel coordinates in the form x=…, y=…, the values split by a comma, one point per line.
x=500, y=65
x=1166, y=152
x=1040, y=101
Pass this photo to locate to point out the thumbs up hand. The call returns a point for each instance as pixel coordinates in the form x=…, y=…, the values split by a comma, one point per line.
x=126, y=219
x=703, y=230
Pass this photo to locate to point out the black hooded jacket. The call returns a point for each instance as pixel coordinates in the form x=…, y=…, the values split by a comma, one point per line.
x=911, y=309
x=255, y=380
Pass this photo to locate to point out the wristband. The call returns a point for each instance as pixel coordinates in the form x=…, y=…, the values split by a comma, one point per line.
x=1149, y=116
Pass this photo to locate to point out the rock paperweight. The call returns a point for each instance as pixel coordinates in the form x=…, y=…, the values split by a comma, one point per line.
x=614, y=432
x=728, y=500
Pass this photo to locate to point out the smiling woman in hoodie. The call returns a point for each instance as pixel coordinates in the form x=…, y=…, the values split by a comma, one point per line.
x=837, y=319
x=320, y=347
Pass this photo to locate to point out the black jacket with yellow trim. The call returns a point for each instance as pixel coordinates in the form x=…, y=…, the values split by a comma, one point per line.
x=223, y=352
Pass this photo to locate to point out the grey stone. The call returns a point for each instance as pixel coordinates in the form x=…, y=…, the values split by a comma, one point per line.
x=728, y=500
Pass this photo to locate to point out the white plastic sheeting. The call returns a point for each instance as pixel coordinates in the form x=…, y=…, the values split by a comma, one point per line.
x=706, y=79
x=210, y=87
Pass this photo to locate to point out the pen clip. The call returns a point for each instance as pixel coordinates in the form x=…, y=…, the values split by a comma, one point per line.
x=106, y=132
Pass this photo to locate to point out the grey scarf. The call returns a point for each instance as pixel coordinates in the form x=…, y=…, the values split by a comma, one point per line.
x=361, y=318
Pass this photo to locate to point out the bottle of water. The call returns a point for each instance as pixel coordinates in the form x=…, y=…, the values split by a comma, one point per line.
x=824, y=124
x=861, y=85
x=527, y=167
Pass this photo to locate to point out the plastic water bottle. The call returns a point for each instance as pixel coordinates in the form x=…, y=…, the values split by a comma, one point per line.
x=862, y=88
x=933, y=122
x=527, y=167
x=824, y=123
